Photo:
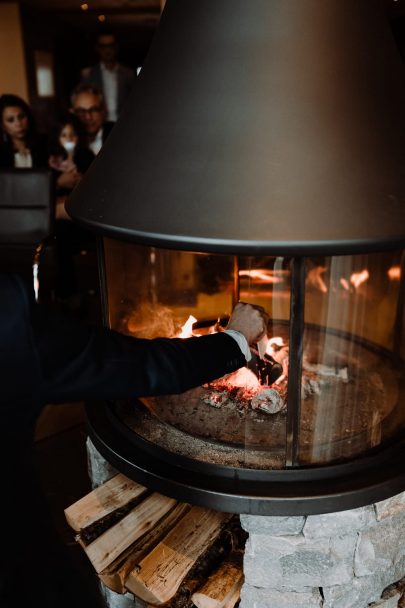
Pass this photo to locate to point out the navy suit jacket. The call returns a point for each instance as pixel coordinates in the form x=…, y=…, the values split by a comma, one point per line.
x=48, y=358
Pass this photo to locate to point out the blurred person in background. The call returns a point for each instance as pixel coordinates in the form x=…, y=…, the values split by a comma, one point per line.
x=21, y=146
x=69, y=158
x=111, y=77
x=87, y=103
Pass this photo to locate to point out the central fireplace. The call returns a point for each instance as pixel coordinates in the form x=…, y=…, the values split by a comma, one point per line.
x=260, y=158
x=320, y=404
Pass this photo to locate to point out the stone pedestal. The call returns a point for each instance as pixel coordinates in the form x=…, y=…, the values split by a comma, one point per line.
x=336, y=560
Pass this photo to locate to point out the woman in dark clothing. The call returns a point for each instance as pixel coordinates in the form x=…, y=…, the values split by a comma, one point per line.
x=69, y=159
x=69, y=155
x=21, y=146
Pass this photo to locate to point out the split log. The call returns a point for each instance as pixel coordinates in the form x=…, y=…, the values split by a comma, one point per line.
x=159, y=575
x=204, y=566
x=115, y=575
x=223, y=586
x=233, y=600
x=113, y=497
x=107, y=547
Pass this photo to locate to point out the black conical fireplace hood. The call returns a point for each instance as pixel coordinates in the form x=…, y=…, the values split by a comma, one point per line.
x=260, y=126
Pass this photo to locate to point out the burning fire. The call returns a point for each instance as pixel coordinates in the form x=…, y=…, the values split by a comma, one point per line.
x=187, y=328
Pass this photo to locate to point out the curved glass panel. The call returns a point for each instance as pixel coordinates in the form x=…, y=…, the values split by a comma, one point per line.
x=349, y=397
x=352, y=374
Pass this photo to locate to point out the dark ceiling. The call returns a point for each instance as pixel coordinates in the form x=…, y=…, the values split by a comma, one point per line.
x=88, y=15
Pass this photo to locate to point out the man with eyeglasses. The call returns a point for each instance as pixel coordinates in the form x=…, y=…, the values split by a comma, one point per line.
x=87, y=102
x=111, y=77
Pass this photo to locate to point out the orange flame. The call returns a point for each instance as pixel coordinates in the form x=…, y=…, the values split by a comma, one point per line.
x=187, y=328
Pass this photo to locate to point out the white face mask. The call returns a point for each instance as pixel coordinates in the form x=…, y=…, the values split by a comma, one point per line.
x=69, y=146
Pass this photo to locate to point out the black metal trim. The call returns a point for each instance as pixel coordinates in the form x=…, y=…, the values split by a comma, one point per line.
x=212, y=245
x=303, y=491
x=295, y=360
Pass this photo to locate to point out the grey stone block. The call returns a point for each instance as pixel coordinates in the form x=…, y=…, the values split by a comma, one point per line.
x=118, y=600
x=380, y=546
x=363, y=590
x=391, y=602
x=275, y=526
x=390, y=506
x=296, y=563
x=342, y=523
x=252, y=597
x=99, y=469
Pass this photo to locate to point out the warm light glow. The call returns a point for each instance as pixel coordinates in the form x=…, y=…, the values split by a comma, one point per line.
x=187, y=328
x=244, y=378
x=394, y=273
x=345, y=284
x=358, y=278
x=276, y=341
x=314, y=278
x=84, y=6
x=101, y=17
x=261, y=275
x=278, y=349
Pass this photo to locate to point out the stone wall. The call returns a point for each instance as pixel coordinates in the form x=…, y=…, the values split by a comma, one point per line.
x=335, y=560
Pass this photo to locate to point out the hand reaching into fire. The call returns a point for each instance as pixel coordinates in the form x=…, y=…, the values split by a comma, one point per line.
x=249, y=320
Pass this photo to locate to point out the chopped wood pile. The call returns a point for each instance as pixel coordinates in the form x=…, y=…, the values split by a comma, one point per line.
x=165, y=552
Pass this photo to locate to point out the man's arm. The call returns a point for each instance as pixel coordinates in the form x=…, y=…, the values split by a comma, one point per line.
x=71, y=361
x=80, y=362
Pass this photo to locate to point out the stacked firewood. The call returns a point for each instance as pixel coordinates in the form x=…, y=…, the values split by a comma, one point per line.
x=165, y=552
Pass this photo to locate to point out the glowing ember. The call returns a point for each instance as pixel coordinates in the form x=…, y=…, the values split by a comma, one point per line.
x=244, y=378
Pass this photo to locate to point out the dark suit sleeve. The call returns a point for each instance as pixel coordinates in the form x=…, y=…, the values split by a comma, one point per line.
x=79, y=362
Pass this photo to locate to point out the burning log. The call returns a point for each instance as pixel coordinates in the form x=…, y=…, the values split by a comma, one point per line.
x=268, y=400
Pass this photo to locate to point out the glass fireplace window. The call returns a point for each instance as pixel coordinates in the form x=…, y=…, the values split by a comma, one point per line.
x=349, y=398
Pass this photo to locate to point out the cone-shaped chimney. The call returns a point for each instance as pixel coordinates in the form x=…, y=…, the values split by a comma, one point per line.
x=260, y=126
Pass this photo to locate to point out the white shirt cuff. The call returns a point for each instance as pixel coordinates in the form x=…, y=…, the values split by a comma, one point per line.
x=242, y=342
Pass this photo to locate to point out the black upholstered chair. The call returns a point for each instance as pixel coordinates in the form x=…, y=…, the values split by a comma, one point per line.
x=26, y=219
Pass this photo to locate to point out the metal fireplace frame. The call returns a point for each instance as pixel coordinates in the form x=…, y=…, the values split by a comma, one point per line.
x=294, y=490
